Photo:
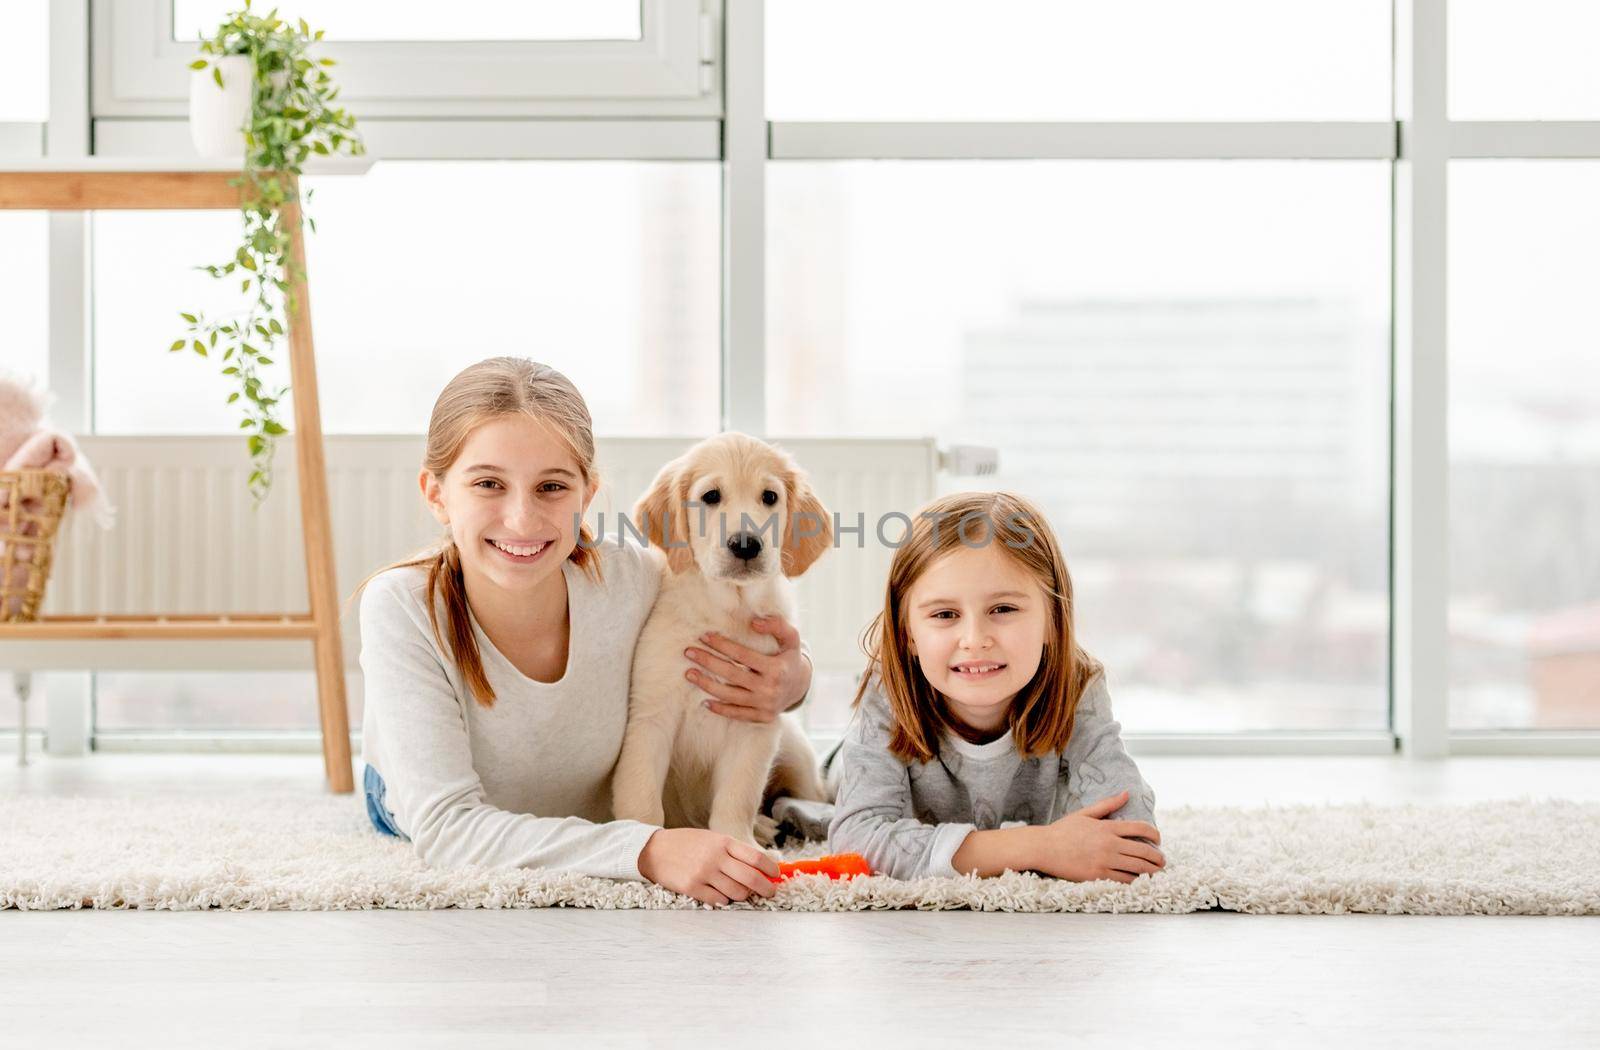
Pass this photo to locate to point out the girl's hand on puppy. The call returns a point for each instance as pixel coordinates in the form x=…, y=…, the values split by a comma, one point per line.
x=707, y=865
x=747, y=685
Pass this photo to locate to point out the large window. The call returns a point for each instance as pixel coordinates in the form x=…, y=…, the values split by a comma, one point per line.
x=1186, y=363
x=609, y=271
x=1178, y=263
x=1524, y=445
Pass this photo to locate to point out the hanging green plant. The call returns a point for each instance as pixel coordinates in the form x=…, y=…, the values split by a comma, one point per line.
x=291, y=118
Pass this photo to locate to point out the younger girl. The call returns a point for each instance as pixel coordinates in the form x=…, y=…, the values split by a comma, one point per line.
x=981, y=727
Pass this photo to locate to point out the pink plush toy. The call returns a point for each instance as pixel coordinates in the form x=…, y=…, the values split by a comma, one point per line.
x=28, y=442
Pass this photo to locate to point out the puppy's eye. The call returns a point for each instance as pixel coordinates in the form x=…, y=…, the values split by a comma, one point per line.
x=712, y=496
x=769, y=497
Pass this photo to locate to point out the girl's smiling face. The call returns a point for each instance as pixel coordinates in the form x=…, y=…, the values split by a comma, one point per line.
x=977, y=621
x=511, y=501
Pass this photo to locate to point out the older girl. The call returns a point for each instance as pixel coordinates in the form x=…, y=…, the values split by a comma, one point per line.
x=496, y=664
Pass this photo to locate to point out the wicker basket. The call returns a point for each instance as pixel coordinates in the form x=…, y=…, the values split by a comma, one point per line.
x=32, y=503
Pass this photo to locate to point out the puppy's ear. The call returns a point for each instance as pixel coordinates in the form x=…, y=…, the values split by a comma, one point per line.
x=665, y=518
x=809, y=530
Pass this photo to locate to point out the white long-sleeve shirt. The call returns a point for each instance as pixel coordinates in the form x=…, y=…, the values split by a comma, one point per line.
x=526, y=782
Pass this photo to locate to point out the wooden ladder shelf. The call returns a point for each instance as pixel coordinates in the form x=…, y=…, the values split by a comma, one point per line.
x=94, y=185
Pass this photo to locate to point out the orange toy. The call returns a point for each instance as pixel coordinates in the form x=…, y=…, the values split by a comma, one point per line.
x=835, y=866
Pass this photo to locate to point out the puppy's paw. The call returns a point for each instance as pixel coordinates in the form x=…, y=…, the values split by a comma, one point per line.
x=766, y=830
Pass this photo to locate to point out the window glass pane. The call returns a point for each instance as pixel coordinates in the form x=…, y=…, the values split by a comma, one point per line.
x=1186, y=363
x=1524, y=445
x=25, y=293
x=1078, y=60
x=427, y=20
x=197, y=700
x=1530, y=60
x=25, y=73
x=608, y=271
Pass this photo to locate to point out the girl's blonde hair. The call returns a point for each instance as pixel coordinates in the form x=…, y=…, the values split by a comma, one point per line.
x=1042, y=713
x=488, y=390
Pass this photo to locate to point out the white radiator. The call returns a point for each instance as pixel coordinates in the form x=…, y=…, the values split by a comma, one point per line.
x=187, y=540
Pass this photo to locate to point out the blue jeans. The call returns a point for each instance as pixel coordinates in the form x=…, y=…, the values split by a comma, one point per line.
x=382, y=819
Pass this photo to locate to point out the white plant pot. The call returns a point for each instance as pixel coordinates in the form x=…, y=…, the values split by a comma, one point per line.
x=217, y=115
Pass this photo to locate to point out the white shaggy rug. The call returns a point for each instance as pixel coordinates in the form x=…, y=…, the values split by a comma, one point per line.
x=306, y=852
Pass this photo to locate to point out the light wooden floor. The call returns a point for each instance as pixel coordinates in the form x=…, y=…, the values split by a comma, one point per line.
x=559, y=977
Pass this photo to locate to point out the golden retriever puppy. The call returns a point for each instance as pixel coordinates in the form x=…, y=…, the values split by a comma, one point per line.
x=736, y=518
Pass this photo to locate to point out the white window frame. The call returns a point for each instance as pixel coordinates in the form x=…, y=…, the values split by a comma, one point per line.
x=141, y=71
x=462, y=139
x=1420, y=142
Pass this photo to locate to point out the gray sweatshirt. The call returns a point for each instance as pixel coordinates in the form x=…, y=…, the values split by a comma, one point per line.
x=908, y=820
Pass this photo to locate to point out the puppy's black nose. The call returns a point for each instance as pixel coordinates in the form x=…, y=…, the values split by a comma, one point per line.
x=745, y=545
